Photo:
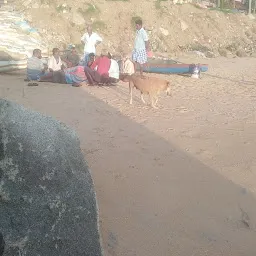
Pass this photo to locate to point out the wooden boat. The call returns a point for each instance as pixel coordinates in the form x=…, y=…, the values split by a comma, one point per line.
x=17, y=41
x=12, y=65
x=10, y=61
x=168, y=66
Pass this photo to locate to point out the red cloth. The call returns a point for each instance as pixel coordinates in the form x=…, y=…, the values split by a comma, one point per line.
x=103, y=64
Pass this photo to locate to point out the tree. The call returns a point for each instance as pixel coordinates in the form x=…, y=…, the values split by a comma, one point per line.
x=250, y=7
x=221, y=4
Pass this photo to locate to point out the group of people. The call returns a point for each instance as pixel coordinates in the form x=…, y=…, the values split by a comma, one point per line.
x=105, y=69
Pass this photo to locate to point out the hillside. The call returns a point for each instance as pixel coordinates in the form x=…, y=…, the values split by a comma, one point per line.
x=173, y=29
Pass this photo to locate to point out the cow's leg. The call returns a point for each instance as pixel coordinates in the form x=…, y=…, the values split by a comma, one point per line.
x=142, y=98
x=152, y=99
x=130, y=89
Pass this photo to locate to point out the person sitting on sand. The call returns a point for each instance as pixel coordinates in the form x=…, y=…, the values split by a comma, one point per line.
x=75, y=76
x=54, y=62
x=91, y=59
x=127, y=66
x=35, y=66
x=71, y=58
x=113, y=71
x=102, y=64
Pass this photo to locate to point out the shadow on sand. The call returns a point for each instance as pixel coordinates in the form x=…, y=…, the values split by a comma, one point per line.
x=154, y=199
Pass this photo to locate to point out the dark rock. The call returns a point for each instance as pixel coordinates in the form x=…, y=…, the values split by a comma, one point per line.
x=241, y=53
x=47, y=199
x=223, y=52
x=210, y=54
x=2, y=244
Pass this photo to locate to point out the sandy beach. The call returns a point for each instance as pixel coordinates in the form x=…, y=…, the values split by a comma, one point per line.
x=178, y=180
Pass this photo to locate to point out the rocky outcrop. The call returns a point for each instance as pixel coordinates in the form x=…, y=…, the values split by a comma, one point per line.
x=47, y=199
x=175, y=27
x=2, y=244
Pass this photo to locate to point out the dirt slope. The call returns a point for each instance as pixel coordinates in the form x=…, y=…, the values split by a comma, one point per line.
x=173, y=28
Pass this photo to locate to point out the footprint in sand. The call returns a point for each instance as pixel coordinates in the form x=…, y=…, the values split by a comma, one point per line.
x=204, y=153
x=182, y=109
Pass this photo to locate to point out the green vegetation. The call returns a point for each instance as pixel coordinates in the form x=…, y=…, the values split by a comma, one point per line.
x=99, y=25
x=222, y=10
x=61, y=8
x=223, y=52
x=90, y=11
x=158, y=3
x=200, y=48
x=196, y=6
x=45, y=1
x=233, y=47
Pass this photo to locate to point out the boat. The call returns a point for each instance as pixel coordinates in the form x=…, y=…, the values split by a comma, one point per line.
x=169, y=66
x=12, y=65
x=10, y=61
x=17, y=41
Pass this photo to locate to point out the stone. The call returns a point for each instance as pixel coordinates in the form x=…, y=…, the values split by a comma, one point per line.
x=210, y=54
x=149, y=28
x=45, y=6
x=164, y=31
x=78, y=18
x=2, y=244
x=241, y=53
x=183, y=25
x=75, y=37
x=200, y=54
x=251, y=16
x=223, y=52
x=29, y=18
x=27, y=3
x=47, y=198
x=35, y=5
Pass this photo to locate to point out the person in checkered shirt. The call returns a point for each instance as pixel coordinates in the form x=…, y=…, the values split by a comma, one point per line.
x=141, y=46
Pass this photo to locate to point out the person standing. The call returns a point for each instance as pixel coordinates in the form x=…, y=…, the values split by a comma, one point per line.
x=90, y=40
x=113, y=72
x=141, y=46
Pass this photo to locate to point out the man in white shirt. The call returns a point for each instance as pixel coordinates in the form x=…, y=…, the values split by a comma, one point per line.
x=114, y=70
x=54, y=62
x=90, y=40
x=141, y=46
